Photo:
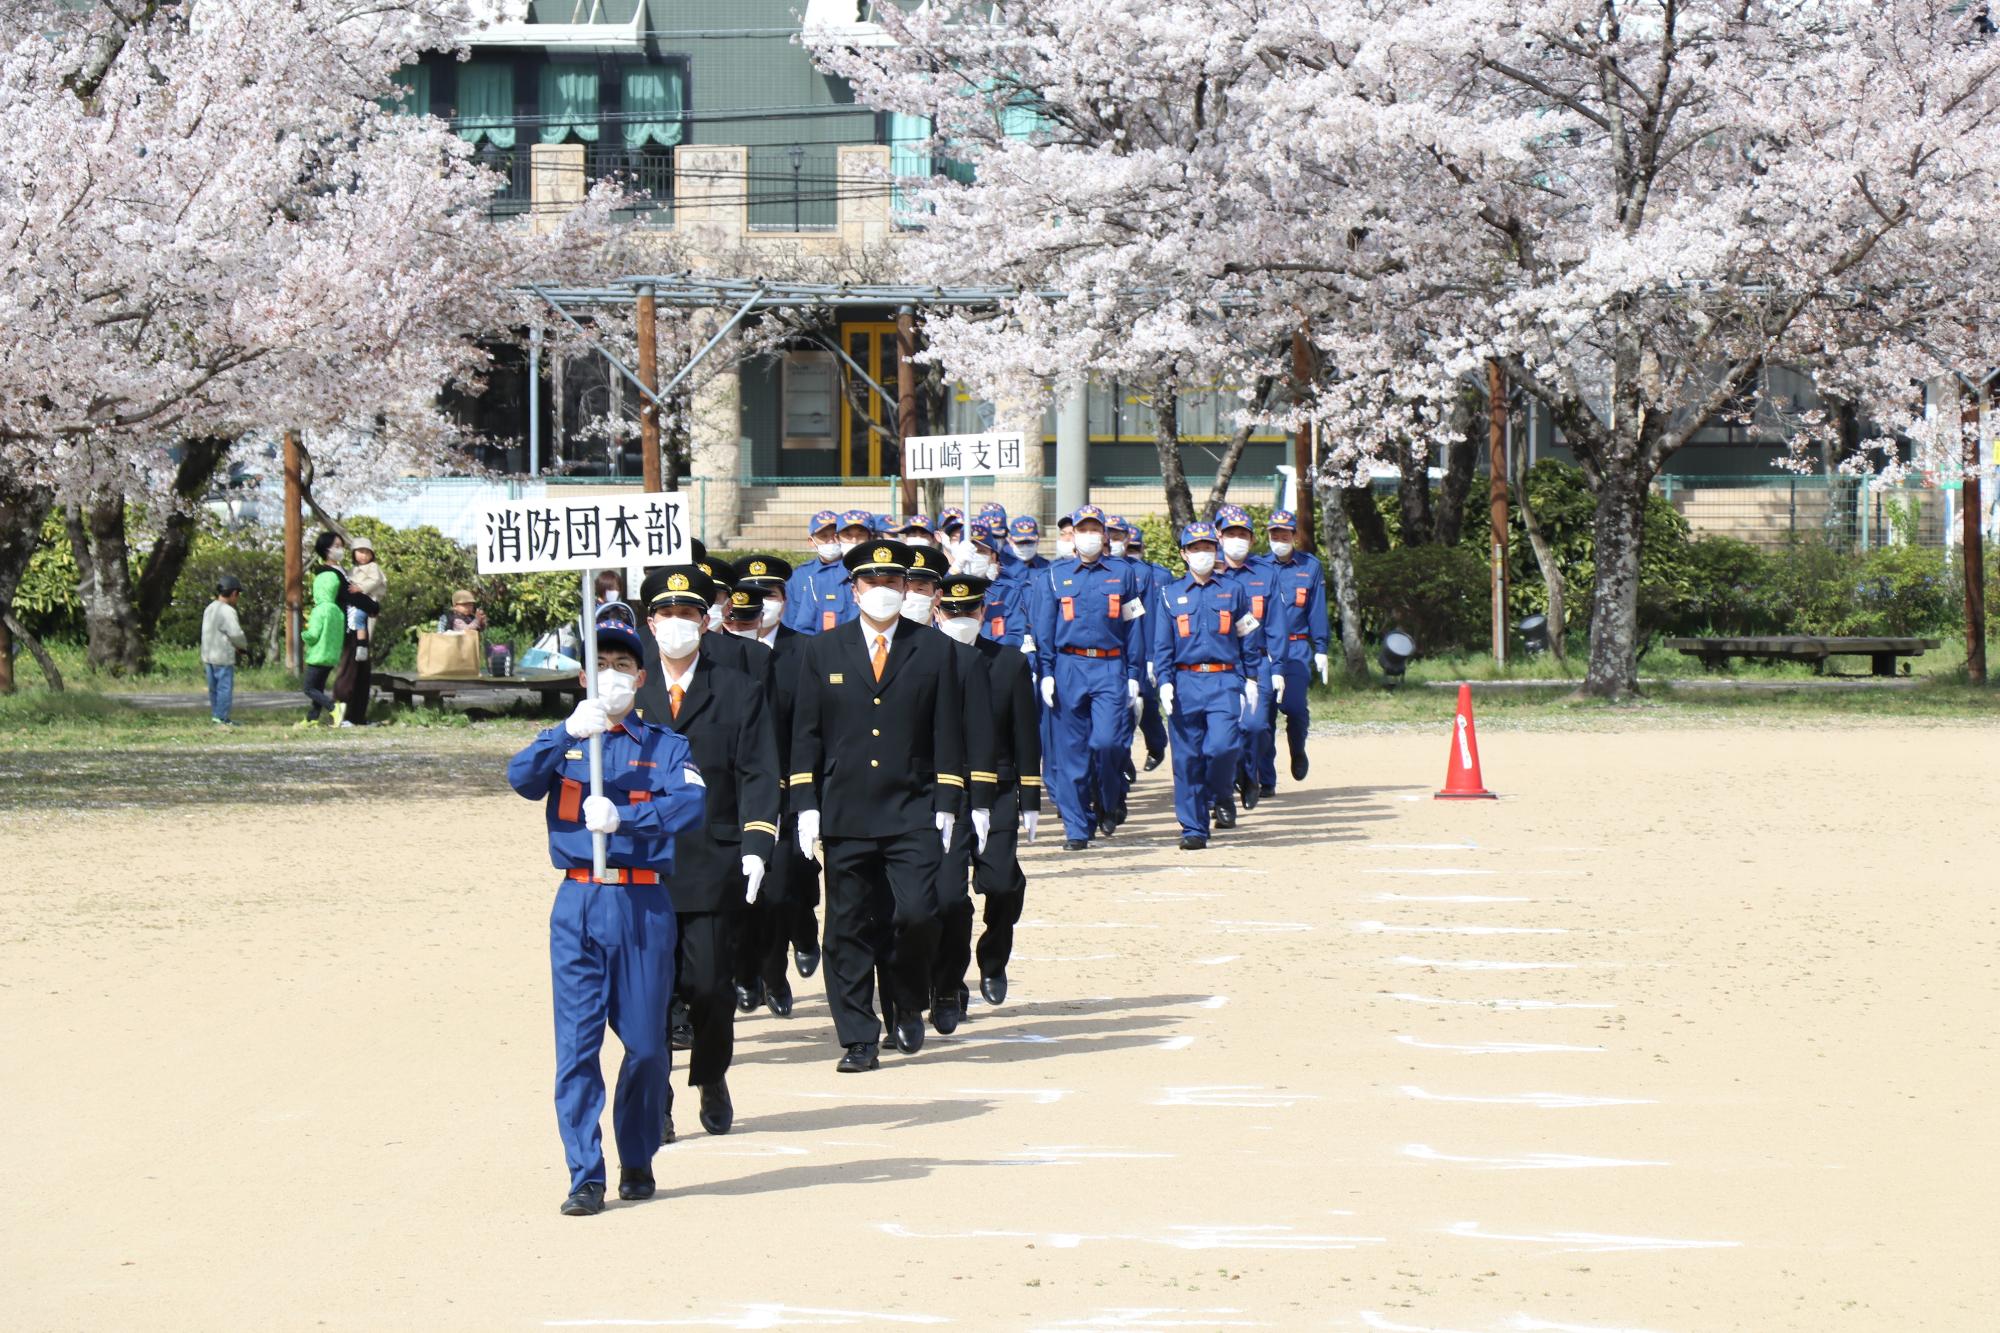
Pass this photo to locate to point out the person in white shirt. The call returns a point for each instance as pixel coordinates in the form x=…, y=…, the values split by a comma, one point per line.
x=221, y=639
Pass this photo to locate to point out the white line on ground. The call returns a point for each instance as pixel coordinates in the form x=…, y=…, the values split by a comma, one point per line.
x=1152, y=1317
x=1446, y=898
x=760, y=1315
x=1591, y=1242
x=1042, y=1096
x=1218, y=960
x=1498, y=1047
x=1411, y=998
x=1242, y=1095
x=1258, y=927
x=1480, y=965
x=1533, y=1161
x=1545, y=1101
x=1384, y=928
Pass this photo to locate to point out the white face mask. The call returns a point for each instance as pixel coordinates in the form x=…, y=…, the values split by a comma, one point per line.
x=963, y=628
x=914, y=540
x=676, y=637
x=616, y=691
x=979, y=564
x=1025, y=550
x=881, y=603
x=715, y=617
x=829, y=551
x=742, y=631
x=917, y=606
x=1236, y=548
x=1117, y=547
x=1089, y=545
x=1065, y=547
x=1201, y=562
x=1282, y=550
x=846, y=545
x=773, y=612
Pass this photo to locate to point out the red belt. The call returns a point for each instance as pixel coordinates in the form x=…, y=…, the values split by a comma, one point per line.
x=1206, y=668
x=612, y=875
x=1094, y=652
x=1297, y=638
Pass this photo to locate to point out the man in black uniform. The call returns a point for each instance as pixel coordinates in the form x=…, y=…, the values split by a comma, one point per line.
x=878, y=776
x=1017, y=804
x=719, y=865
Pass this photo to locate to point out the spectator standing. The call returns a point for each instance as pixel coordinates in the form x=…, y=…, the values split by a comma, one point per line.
x=326, y=628
x=354, y=682
x=221, y=639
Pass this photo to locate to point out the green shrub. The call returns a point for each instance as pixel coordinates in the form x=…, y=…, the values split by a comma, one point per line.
x=257, y=559
x=1906, y=590
x=1439, y=594
x=1729, y=590
x=46, y=601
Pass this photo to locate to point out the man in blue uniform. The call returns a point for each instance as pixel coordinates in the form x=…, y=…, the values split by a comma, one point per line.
x=1259, y=579
x=1085, y=654
x=818, y=596
x=1298, y=639
x=611, y=941
x=1024, y=544
x=1152, y=727
x=1203, y=633
x=915, y=530
x=1007, y=614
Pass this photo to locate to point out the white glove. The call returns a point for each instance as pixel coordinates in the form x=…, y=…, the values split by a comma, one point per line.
x=1152, y=676
x=587, y=719
x=945, y=824
x=1167, y=699
x=600, y=815
x=1028, y=644
x=1048, y=691
x=1030, y=820
x=982, y=825
x=1319, y=661
x=1247, y=625
x=1250, y=694
x=808, y=832
x=1132, y=690
x=1278, y=687
x=753, y=877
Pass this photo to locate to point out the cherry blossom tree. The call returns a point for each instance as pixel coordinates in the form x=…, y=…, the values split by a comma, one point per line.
x=216, y=221
x=1635, y=206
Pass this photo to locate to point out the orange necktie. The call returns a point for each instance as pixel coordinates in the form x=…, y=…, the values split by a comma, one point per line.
x=674, y=697
x=881, y=657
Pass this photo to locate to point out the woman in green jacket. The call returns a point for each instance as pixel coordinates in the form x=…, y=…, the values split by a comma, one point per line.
x=326, y=627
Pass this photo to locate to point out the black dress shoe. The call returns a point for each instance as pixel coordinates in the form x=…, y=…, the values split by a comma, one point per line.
x=1194, y=842
x=667, y=1134
x=586, y=1200
x=634, y=1183
x=1121, y=814
x=945, y=1014
x=964, y=1002
x=779, y=996
x=909, y=1033
x=749, y=999
x=1154, y=759
x=1131, y=773
x=1225, y=815
x=1250, y=794
x=1266, y=789
x=860, y=1058
x=718, y=1113
x=993, y=986
x=1077, y=845
x=682, y=1037
x=1106, y=826
x=1299, y=767
x=807, y=959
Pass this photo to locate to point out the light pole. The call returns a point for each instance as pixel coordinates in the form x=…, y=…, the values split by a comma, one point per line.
x=797, y=154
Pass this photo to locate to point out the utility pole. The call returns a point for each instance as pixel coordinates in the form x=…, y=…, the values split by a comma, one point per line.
x=1496, y=440
x=294, y=554
x=1970, y=547
x=649, y=376
x=1304, y=372
x=906, y=399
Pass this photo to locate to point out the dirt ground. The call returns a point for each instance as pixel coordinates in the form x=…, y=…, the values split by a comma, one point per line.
x=1694, y=1030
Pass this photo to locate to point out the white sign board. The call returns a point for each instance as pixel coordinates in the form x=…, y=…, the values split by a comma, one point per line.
x=992, y=455
x=578, y=532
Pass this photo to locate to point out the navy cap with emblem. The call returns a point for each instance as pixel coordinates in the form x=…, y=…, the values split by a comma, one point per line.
x=763, y=571
x=963, y=592
x=881, y=556
x=677, y=585
x=927, y=562
x=744, y=604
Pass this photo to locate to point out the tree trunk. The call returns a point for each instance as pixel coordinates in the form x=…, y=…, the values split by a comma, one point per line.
x=1369, y=530
x=12, y=629
x=200, y=460
x=1545, y=559
x=1167, y=439
x=104, y=586
x=1459, y=458
x=1225, y=471
x=1413, y=493
x=1616, y=530
x=1338, y=549
x=22, y=509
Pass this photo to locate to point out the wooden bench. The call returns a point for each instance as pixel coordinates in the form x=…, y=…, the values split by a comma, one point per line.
x=1882, y=653
x=555, y=687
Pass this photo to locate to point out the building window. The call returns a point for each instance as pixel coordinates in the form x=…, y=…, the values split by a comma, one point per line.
x=794, y=187
x=809, y=390
x=569, y=103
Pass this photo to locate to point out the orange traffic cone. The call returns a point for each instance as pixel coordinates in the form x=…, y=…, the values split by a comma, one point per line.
x=1461, y=780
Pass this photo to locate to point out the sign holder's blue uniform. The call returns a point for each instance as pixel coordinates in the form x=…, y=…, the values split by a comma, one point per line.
x=1152, y=728
x=611, y=944
x=1298, y=631
x=1085, y=641
x=1199, y=648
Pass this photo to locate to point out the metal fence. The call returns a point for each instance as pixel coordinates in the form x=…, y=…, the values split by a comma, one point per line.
x=1846, y=513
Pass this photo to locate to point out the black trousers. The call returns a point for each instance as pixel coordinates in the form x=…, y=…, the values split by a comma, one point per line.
x=996, y=872
x=704, y=978
x=881, y=911
x=783, y=914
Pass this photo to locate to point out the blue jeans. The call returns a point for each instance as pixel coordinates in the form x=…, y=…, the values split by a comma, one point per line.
x=221, y=691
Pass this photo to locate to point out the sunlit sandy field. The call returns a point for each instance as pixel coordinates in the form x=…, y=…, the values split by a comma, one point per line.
x=1693, y=1030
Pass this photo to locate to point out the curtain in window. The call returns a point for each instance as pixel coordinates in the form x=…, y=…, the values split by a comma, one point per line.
x=415, y=81
x=486, y=103
x=653, y=106
x=569, y=103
